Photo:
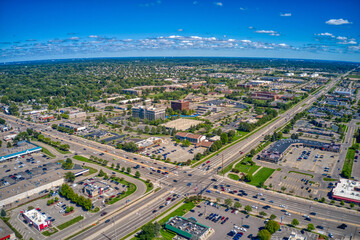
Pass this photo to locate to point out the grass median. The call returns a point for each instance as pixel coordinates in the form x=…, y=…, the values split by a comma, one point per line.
x=71, y=222
x=306, y=174
x=47, y=152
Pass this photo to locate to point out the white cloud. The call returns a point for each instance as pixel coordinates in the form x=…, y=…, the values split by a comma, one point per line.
x=348, y=42
x=180, y=30
x=251, y=27
x=243, y=9
x=341, y=38
x=220, y=4
x=74, y=38
x=285, y=14
x=283, y=45
x=270, y=32
x=339, y=21
x=326, y=34
x=245, y=41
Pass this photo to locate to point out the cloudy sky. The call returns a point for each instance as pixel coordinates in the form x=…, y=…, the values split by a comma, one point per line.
x=53, y=29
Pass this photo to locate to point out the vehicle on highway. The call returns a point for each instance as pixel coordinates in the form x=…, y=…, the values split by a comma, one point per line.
x=103, y=214
x=108, y=220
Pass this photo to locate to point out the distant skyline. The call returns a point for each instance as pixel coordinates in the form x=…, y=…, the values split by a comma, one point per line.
x=39, y=30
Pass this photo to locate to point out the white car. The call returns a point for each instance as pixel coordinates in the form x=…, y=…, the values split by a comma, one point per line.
x=306, y=216
x=255, y=207
x=243, y=229
x=287, y=214
x=283, y=206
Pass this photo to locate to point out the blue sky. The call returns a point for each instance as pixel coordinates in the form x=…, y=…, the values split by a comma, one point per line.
x=316, y=29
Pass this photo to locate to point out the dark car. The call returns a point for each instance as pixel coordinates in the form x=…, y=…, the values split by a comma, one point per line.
x=108, y=220
x=313, y=213
x=103, y=213
x=342, y=226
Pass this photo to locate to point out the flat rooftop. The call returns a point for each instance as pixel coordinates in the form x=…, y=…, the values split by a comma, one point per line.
x=22, y=147
x=4, y=229
x=182, y=124
x=347, y=189
x=35, y=216
x=186, y=227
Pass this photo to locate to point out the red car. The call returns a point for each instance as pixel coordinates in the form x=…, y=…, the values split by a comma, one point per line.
x=169, y=198
x=207, y=162
x=38, y=209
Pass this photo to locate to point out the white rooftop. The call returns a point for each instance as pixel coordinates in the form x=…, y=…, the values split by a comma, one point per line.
x=348, y=189
x=35, y=216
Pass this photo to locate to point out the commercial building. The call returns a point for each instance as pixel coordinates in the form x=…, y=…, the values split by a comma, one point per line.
x=277, y=150
x=193, y=138
x=187, y=228
x=343, y=91
x=20, y=149
x=38, y=220
x=95, y=189
x=148, y=142
x=11, y=136
x=75, y=127
x=264, y=96
x=148, y=113
x=5, y=232
x=77, y=115
x=347, y=190
x=180, y=105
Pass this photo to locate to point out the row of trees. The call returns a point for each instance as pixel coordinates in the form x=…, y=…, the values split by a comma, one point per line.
x=67, y=192
x=63, y=129
x=128, y=146
x=248, y=127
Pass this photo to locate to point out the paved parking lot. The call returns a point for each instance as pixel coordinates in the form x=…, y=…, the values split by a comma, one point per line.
x=298, y=184
x=309, y=159
x=235, y=222
x=52, y=211
x=174, y=152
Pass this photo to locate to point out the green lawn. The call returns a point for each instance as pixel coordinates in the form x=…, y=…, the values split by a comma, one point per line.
x=71, y=222
x=91, y=170
x=168, y=235
x=348, y=164
x=306, y=174
x=131, y=189
x=261, y=176
x=246, y=168
x=234, y=176
x=47, y=152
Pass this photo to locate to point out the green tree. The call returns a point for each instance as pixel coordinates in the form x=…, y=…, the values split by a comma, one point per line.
x=272, y=226
x=248, y=177
x=70, y=176
x=237, y=205
x=248, y=208
x=310, y=227
x=263, y=214
x=137, y=174
x=295, y=222
x=123, y=169
x=228, y=202
x=3, y=213
x=264, y=234
x=352, y=205
x=272, y=216
x=224, y=138
x=342, y=203
x=128, y=170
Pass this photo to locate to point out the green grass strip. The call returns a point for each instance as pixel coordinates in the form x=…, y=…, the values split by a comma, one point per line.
x=234, y=176
x=47, y=233
x=47, y=152
x=307, y=174
x=329, y=179
x=70, y=222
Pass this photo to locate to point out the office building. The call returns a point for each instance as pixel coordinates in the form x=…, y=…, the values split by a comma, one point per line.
x=148, y=113
x=180, y=105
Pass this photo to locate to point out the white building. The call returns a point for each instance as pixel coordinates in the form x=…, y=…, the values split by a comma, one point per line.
x=303, y=74
x=347, y=190
x=314, y=75
x=38, y=220
x=289, y=74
